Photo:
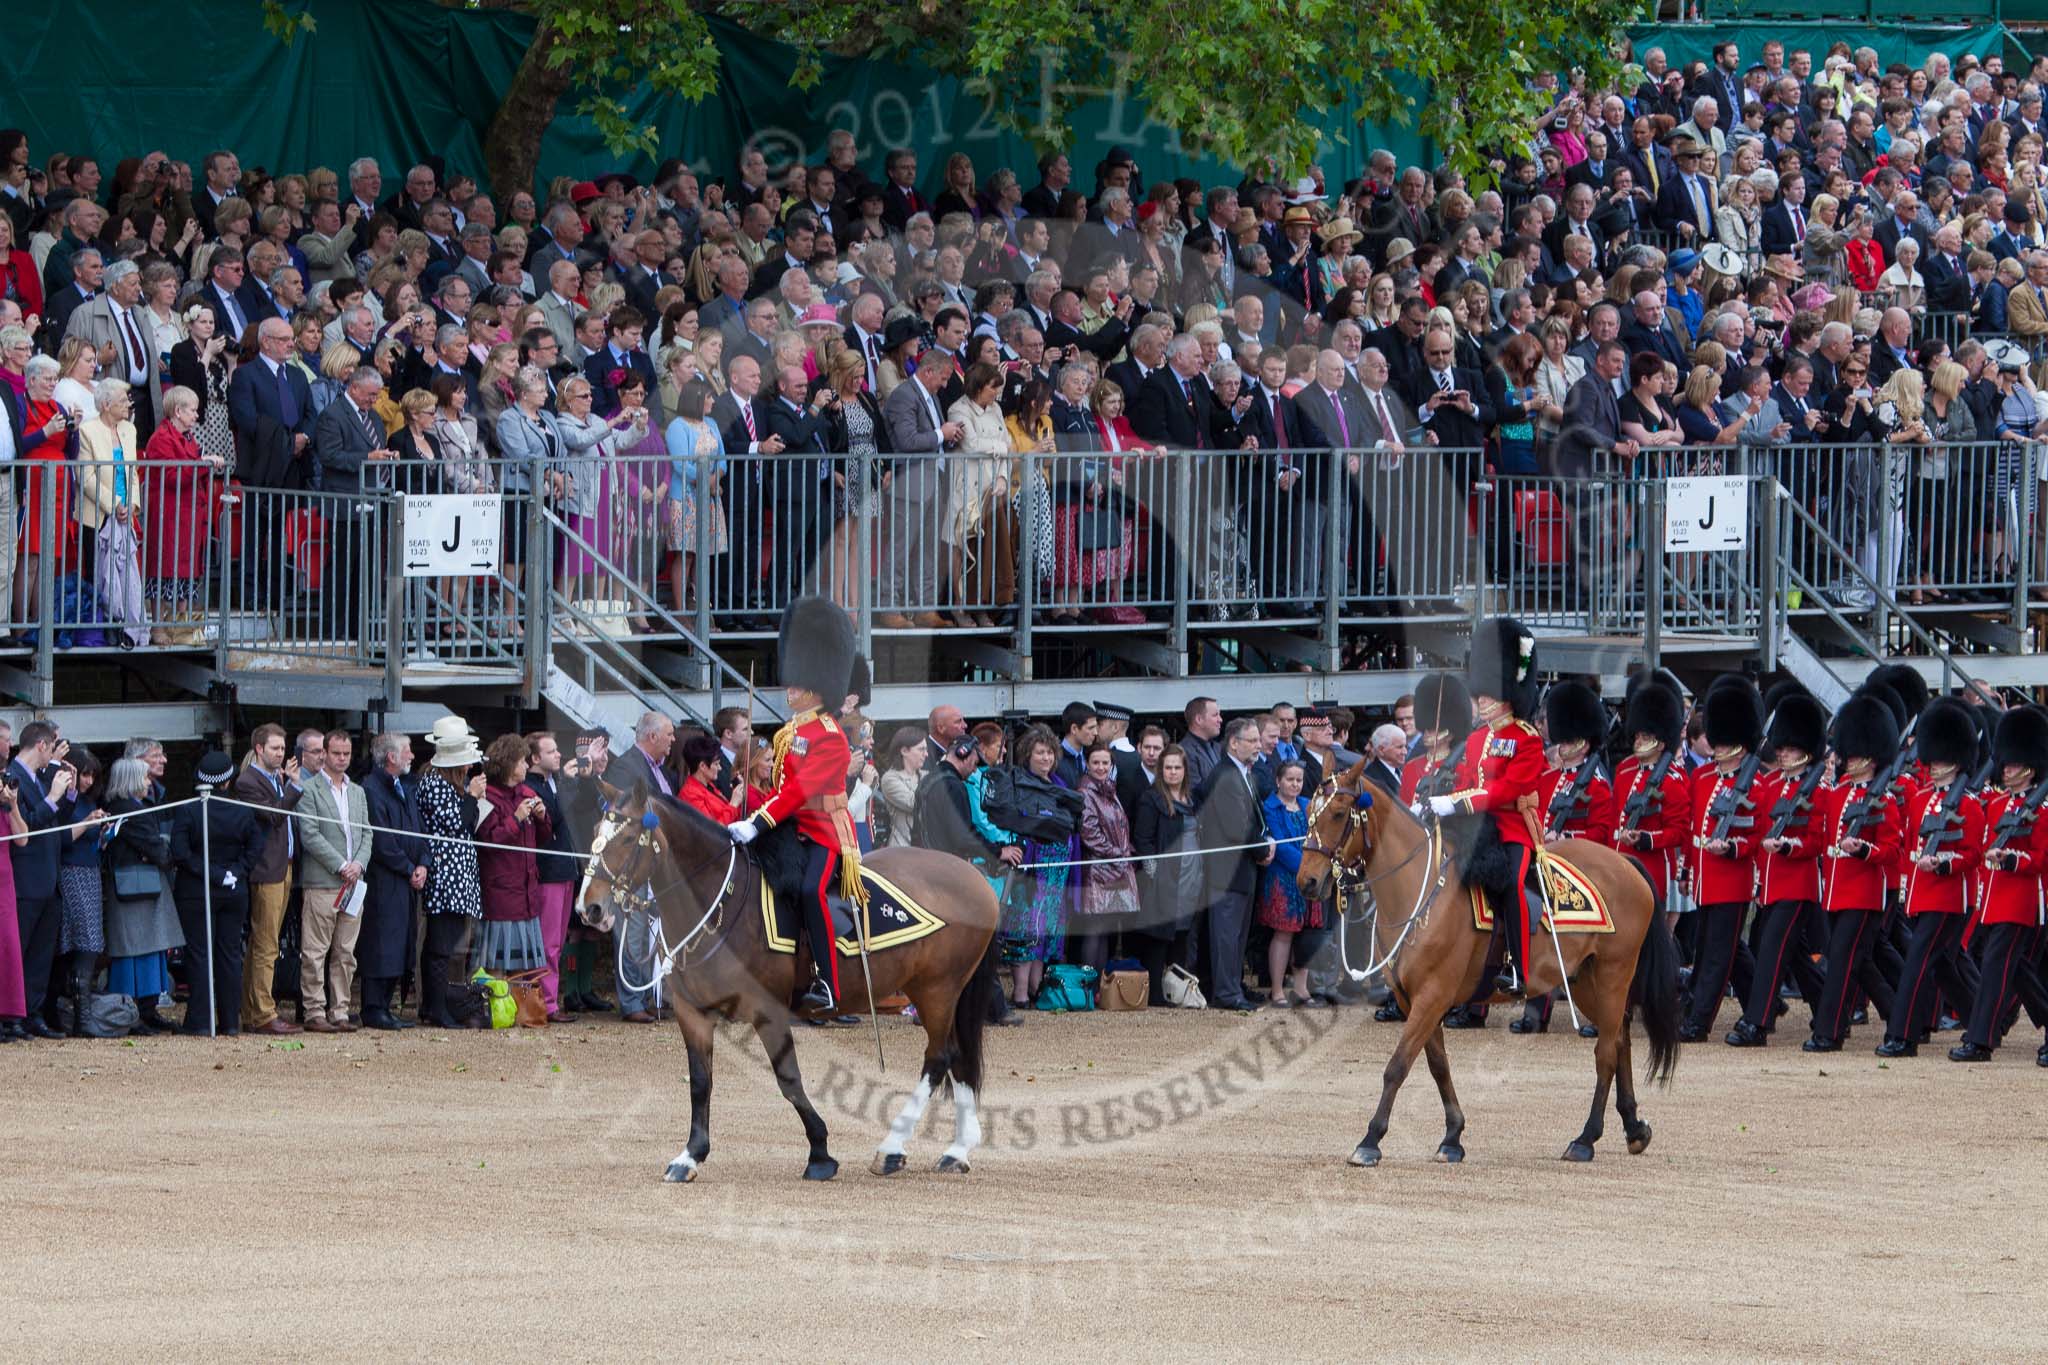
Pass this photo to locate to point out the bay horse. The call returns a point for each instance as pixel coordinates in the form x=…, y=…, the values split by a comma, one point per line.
x=705, y=894
x=1368, y=839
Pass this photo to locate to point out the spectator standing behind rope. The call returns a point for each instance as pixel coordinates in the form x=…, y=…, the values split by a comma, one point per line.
x=269, y=779
x=397, y=873
x=336, y=844
x=1047, y=815
x=555, y=867
x=511, y=940
x=44, y=799
x=13, y=998
x=448, y=798
x=1107, y=901
x=902, y=775
x=1230, y=821
x=213, y=864
x=1163, y=833
x=142, y=921
x=84, y=935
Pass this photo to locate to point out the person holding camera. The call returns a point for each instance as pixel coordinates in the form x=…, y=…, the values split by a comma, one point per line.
x=555, y=865
x=516, y=822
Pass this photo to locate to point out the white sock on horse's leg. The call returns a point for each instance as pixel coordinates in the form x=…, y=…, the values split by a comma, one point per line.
x=907, y=1119
x=966, y=1123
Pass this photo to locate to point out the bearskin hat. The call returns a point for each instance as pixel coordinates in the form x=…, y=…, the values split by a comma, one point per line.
x=1891, y=701
x=1799, y=723
x=1442, y=703
x=1775, y=694
x=1905, y=681
x=1947, y=733
x=860, y=683
x=1502, y=664
x=1654, y=709
x=1865, y=728
x=2022, y=738
x=816, y=649
x=1734, y=714
x=1572, y=710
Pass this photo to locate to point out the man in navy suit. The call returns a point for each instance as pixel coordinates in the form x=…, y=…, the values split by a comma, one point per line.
x=1685, y=201
x=1903, y=221
x=900, y=199
x=42, y=798
x=1651, y=330
x=222, y=295
x=270, y=408
x=1784, y=221
x=622, y=352
x=1174, y=406
x=1947, y=273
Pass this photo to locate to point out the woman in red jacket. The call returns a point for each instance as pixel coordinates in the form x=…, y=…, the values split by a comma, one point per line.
x=18, y=277
x=510, y=875
x=700, y=780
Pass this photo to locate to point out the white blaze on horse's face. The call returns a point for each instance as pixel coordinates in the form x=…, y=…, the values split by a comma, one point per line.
x=607, y=829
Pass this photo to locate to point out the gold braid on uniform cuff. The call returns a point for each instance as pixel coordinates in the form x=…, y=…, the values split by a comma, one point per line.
x=1464, y=798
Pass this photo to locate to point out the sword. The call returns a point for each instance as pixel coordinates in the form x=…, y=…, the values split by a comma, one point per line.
x=1550, y=917
x=860, y=925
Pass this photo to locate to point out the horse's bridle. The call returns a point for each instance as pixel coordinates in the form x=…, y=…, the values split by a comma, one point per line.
x=1356, y=821
x=631, y=893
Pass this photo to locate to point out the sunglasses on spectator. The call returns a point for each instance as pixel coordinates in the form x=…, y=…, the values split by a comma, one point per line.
x=1853, y=373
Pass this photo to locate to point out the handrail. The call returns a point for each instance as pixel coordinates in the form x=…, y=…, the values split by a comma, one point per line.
x=1875, y=648
x=639, y=595
x=651, y=700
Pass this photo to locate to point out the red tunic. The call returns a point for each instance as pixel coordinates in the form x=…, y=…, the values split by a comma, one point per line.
x=811, y=758
x=1943, y=892
x=1597, y=821
x=1668, y=822
x=1414, y=772
x=1502, y=763
x=2014, y=897
x=1793, y=875
x=1857, y=881
x=1717, y=878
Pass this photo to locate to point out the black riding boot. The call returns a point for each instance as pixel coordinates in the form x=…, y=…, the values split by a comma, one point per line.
x=820, y=997
x=1509, y=979
x=81, y=965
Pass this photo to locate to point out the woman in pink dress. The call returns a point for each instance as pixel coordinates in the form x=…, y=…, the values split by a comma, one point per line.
x=13, y=988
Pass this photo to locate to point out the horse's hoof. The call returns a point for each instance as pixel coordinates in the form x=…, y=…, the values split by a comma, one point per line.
x=888, y=1163
x=1450, y=1153
x=1579, y=1151
x=824, y=1168
x=681, y=1171
x=1363, y=1155
x=952, y=1165
x=1638, y=1140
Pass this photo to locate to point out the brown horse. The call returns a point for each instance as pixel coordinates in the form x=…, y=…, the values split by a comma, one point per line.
x=1366, y=838
x=712, y=950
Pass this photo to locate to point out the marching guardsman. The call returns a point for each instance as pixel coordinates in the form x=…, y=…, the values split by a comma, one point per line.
x=1574, y=796
x=1862, y=822
x=1726, y=827
x=2014, y=856
x=1944, y=839
x=1502, y=765
x=1651, y=790
x=1574, y=799
x=1443, y=717
x=816, y=654
x=1787, y=863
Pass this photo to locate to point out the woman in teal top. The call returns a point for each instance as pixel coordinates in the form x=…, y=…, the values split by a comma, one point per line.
x=692, y=434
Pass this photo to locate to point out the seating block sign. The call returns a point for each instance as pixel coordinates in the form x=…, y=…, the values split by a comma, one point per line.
x=452, y=535
x=1705, y=514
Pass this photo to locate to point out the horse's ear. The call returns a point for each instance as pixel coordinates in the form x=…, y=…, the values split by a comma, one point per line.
x=612, y=795
x=1355, y=773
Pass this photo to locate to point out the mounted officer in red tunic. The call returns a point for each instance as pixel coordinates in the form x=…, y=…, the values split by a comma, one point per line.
x=1503, y=763
x=816, y=655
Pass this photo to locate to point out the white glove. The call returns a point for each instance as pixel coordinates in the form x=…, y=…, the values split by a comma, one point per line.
x=742, y=831
x=1443, y=805
x=1417, y=809
x=227, y=879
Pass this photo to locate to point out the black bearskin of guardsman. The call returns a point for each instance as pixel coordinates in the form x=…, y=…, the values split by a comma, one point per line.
x=1502, y=763
x=1443, y=718
x=1866, y=727
x=816, y=655
x=1654, y=709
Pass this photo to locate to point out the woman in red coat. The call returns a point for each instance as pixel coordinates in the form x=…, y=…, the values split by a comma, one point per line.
x=177, y=511
x=510, y=875
x=18, y=277
x=700, y=782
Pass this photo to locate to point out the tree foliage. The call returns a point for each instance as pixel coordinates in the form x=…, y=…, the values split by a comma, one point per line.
x=1241, y=80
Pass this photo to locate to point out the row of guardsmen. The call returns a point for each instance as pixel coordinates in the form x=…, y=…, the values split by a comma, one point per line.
x=1890, y=855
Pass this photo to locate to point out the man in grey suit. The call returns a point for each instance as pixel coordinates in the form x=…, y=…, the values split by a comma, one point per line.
x=919, y=431
x=1229, y=818
x=334, y=849
x=558, y=307
x=474, y=269
x=348, y=436
x=1592, y=423
x=109, y=325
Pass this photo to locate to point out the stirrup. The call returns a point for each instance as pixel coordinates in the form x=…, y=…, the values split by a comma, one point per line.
x=818, y=998
x=1508, y=981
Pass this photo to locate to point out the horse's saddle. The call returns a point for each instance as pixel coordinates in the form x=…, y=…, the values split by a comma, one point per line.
x=1576, y=905
x=893, y=918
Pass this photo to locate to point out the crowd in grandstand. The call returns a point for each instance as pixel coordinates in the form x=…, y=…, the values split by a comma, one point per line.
x=1759, y=258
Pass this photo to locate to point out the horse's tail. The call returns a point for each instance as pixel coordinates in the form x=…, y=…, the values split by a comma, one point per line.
x=1655, y=988
x=970, y=1020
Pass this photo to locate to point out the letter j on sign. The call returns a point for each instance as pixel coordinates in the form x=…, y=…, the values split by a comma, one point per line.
x=452, y=535
x=1703, y=515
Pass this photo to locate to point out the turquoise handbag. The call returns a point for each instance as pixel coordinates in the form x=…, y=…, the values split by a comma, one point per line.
x=1068, y=988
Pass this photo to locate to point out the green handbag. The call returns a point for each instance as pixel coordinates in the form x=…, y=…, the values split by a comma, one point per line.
x=1068, y=987
x=504, y=1009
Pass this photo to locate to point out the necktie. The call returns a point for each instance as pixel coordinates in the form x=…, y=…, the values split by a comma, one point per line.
x=747, y=416
x=1279, y=422
x=133, y=339
x=1343, y=427
x=868, y=349
x=287, y=401
x=1699, y=196
x=1388, y=430
x=1798, y=224
x=1650, y=165
x=234, y=311
x=372, y=427
x=1443, y=382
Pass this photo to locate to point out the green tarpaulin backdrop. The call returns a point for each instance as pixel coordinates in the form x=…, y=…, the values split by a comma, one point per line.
x=396, y=79
x=1910, y=44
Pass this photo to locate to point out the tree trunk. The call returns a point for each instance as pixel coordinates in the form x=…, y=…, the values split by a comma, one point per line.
x=512, y=144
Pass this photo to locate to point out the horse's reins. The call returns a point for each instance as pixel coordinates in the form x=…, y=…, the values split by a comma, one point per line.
x=1348, y=879
x=647, y=901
